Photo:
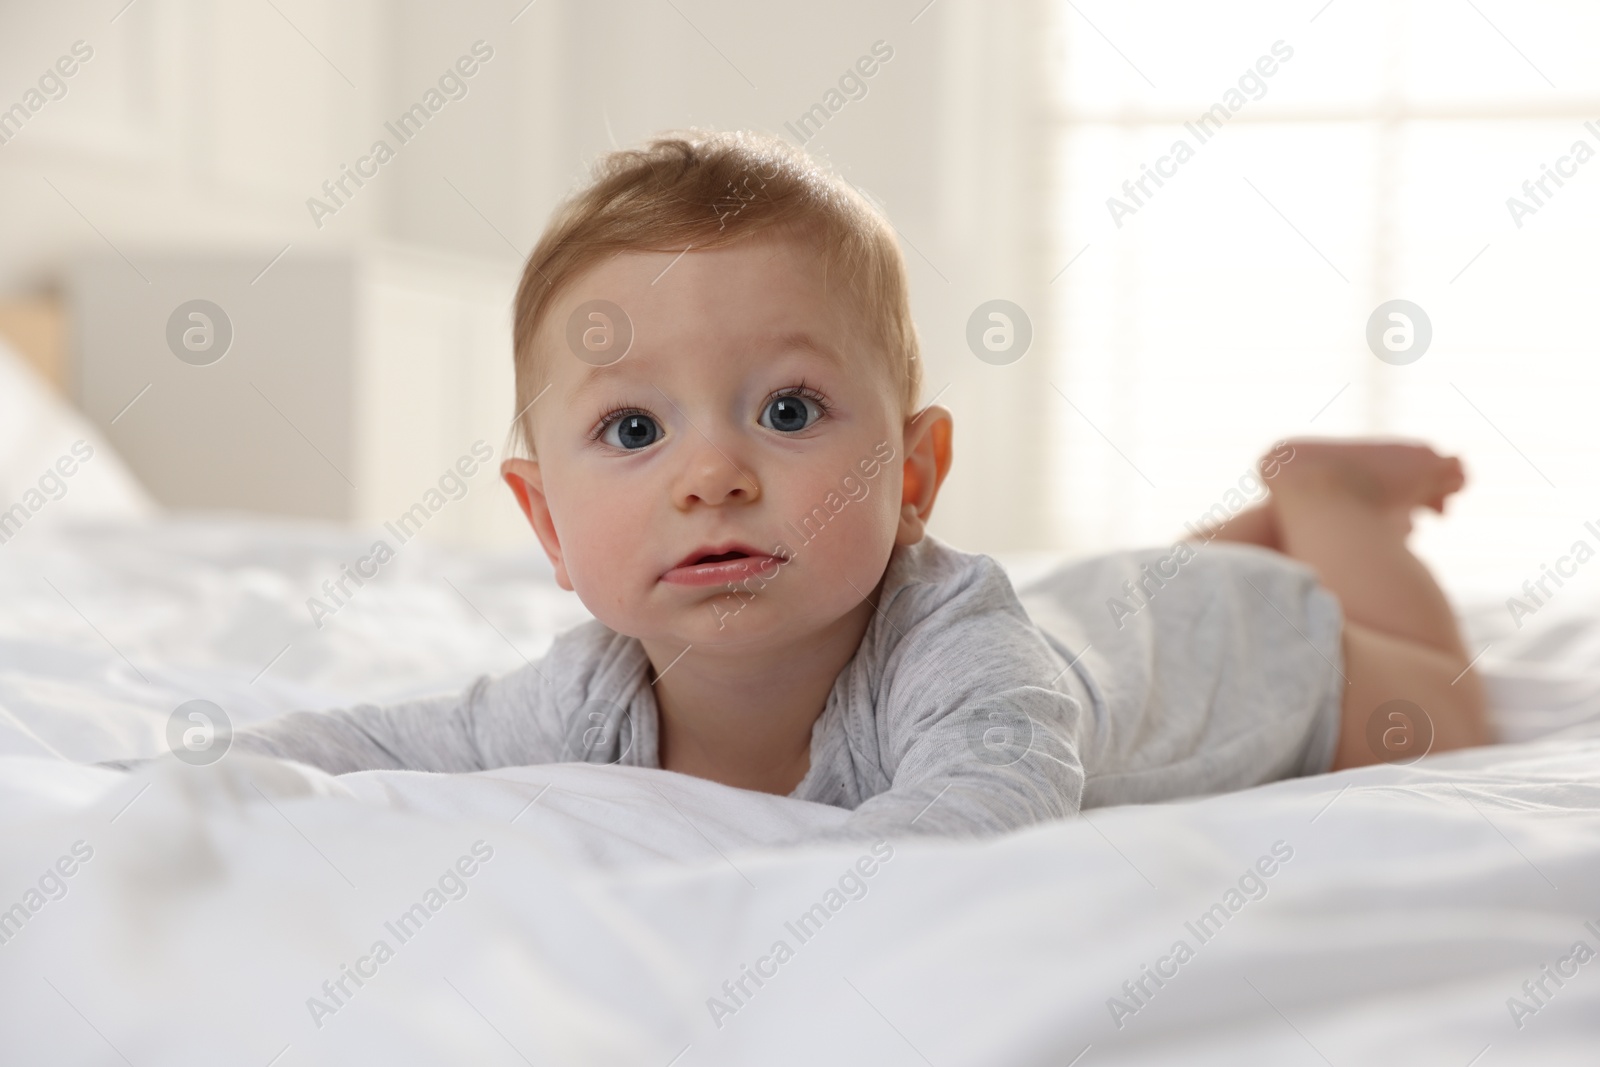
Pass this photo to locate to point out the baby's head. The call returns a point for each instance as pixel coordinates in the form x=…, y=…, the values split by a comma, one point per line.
x=751, y=399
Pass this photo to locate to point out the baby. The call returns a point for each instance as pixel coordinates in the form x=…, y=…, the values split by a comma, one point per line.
x=717, y=385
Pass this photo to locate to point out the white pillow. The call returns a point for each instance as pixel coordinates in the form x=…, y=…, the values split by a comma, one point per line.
x=54, y=467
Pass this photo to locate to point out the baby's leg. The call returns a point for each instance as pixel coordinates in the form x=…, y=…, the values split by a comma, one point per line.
x=1344, y=508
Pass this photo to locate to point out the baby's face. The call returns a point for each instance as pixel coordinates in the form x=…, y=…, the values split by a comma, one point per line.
x=735, y=477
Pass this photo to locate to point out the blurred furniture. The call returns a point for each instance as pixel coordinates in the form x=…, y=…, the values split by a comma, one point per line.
x=352, y=382
x=35, y=327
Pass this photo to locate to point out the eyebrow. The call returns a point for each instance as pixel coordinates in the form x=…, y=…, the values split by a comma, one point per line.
x=787, y=340
x=802, y=339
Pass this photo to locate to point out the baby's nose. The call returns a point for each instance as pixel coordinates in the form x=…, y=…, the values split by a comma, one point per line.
x=711, y=476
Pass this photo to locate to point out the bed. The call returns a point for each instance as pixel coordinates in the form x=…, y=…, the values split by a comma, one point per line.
x=253, y=911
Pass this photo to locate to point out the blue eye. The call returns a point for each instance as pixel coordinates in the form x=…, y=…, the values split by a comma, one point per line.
x=632, y=432
x=789, y=414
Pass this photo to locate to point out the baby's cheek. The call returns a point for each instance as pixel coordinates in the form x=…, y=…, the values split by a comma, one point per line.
x=595, y=541
x=604, y=570
x=863, y=537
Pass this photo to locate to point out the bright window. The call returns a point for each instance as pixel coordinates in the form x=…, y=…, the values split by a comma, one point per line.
x=1230, y=306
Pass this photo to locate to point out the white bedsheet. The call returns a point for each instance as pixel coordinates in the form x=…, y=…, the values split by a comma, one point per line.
x=618, y=900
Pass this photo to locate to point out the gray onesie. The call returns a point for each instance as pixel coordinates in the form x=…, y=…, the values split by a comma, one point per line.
x=1135, y=679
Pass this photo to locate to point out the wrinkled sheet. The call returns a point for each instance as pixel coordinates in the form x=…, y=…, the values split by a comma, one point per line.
x=624, y=915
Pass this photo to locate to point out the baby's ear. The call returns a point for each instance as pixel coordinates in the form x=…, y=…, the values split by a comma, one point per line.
x=928, y=455
x=527, y=485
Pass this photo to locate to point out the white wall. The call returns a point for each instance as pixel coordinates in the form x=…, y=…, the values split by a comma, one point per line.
x=193, y=123
x=210, y=124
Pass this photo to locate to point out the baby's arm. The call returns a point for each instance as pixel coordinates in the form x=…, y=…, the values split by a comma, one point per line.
x=431, y=734
x=978, y=730
x=983, y=768
x=515, y=719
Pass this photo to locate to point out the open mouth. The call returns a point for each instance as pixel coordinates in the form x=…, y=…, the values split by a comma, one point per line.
x=721, y=557
x=716, y=564
x=726, y=552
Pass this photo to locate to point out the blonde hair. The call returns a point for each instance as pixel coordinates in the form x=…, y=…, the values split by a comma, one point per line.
x=707, y=190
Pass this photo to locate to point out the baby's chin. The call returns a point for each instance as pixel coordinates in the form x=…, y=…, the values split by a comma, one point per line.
x=734, y=625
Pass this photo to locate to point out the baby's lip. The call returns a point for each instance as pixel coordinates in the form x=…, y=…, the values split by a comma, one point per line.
x=718, y=554
x=719, y=564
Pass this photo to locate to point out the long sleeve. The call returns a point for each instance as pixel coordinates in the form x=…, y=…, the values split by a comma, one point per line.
x=493, y=722
x=986, y=767
x=957, y=718
x=577, y=704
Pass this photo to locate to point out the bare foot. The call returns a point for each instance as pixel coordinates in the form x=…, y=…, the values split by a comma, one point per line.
x=1393, y=476
x=1256, y=525
x=1389, y=476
